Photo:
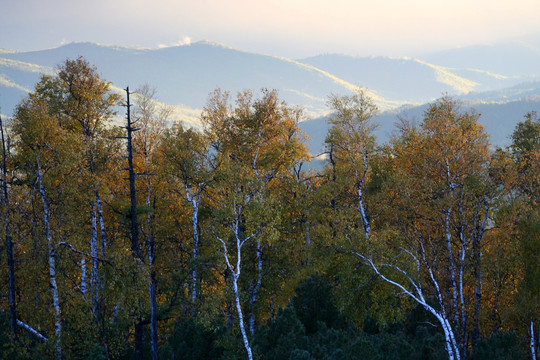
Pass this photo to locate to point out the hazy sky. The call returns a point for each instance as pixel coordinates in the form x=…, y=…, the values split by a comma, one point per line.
x=291, y=28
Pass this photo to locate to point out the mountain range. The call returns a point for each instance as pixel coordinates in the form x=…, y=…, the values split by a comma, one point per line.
x=502, y=82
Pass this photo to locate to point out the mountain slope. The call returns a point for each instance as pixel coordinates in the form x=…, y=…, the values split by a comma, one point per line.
x=499, y=119
x=187, y=74
x=519, y=59
x=408, y=79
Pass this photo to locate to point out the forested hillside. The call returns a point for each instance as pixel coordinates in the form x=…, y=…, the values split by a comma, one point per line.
x=145, y=241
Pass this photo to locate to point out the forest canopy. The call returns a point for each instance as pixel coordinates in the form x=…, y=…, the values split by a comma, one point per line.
x=148, y=239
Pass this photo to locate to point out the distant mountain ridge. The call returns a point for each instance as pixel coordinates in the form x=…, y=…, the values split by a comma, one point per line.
x=499, y=119
x=185, y=75
x=406, y=79
x=518, y=59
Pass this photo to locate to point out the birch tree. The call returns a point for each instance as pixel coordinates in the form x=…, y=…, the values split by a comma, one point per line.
x=353, y=195
x=84, y=105
x=352, y=144
x=152, y=121
x=87, y=105
x=439, y=215
x=525, y=149
x=258, y=140
x=190, y=165
x=40, y=142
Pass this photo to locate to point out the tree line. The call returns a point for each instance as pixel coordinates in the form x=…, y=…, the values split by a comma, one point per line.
x=140, y=240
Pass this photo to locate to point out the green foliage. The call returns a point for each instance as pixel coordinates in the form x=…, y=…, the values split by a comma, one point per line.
x=192, y=341
x=25, y=347
x=281, y=336
x=314, y=304
x=98, y=352
x=526, y=136
x=287, y=338
x=500, y=346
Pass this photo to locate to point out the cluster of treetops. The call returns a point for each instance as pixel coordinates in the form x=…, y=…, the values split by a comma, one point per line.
x=134, y=238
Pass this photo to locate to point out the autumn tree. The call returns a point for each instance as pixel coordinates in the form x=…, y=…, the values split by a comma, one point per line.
x=64, y=127
x=86, y=105
x=525, y=149
x=258, y=141
x=349, y=199
x=40, y=144
x=439, y=214
x=151, y=119
x=351, y=144
x=190, y=165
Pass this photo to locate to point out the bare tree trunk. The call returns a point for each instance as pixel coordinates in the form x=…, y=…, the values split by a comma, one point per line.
x=134, y=224
x=52, y=263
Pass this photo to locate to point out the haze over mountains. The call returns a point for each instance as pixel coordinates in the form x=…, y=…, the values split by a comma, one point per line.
x=501, y=81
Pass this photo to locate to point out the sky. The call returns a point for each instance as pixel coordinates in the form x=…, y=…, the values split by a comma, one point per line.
x=289, y=28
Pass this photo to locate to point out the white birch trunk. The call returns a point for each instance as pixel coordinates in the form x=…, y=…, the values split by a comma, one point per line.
x=52, y=264
x=362, y=207
x=194, y=199
x=94, y=275
x=452, y=348
x=195, y=223
x=83, y=277
x=240, y=316
x=101, y=225
x=532, y=340
x=462, y=300
x=363, y=213
x=366, y=222
x=32, y=331
x=236, y=275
